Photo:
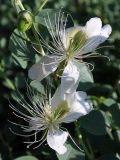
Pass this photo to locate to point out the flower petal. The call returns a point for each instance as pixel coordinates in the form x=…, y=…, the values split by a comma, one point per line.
x=106, y=31
x=56, y=99
x=43, y=68
x=79, y=106
x=96, y=34
x=56, y=140
x=70, y=78
x=93, y=27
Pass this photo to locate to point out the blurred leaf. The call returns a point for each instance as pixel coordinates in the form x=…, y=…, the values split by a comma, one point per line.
x=2, y=43
x=94, y=123
x=26, y=158
x=108, y=157
x=84, y=86
x=117, y=135
x=118, y=87
x=99, y=89
x=71, y=154
x=107, y=103
x=115, y=112
x=15, y=5
x=9, y=84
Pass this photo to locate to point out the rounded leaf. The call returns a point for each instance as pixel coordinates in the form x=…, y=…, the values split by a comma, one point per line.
x=94, y=123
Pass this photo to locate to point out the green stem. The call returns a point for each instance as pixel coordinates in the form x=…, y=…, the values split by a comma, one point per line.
x=89, y=151
x=90, y=148
x=40, y=8
x=19, y=3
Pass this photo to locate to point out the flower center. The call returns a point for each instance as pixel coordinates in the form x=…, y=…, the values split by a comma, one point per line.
x=54, y=116
x=76, y=40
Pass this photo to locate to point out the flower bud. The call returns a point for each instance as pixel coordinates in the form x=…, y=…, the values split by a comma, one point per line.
x=25, y=21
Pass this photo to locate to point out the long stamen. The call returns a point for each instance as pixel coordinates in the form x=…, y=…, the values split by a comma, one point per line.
x=73, y=140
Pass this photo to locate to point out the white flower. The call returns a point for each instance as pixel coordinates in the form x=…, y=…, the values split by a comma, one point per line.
x=46, y=115
x=69, y=46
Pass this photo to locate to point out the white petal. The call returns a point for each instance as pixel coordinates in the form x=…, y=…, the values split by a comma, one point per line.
x=56, y=99
x=96, y=35
x=43, y=68
x=106, y=31
x=91, y=44
x=70, y=78
x=57, y=140
x=79, y=106
x=93, y=27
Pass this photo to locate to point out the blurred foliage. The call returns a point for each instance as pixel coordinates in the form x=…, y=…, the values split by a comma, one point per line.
x=101, y=128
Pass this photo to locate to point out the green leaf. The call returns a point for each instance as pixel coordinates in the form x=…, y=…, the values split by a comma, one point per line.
x=117, y=135
x=107, y=103
x=38, y=86
x=19, y=61
x=19, y=81
x=84, y=86
x=108, y=157
x=85, y=73
x=9, y=84
x=86, y=78
x=44, y=14
x=26, y=158
x=118, y=87
x=115, y=112
x=71, y=154
x=94, y=123
x=22, y=52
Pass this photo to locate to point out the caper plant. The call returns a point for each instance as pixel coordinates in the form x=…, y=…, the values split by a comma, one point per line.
x=62, y=55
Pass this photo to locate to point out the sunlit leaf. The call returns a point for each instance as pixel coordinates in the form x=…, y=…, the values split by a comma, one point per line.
x=26, y=158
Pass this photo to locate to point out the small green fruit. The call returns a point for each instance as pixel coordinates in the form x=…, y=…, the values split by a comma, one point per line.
x=25, y=21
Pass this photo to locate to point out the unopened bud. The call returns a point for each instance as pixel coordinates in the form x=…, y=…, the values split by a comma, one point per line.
x=25, y=20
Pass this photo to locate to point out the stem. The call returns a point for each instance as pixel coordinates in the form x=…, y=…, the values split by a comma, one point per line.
x=19, y=4
x=90, y=148
x=85, y=148
x=40, y=7
x=89, y=151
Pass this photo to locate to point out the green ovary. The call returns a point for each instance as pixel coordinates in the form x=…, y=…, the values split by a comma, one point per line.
x=77, y=39
x=61, y=110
